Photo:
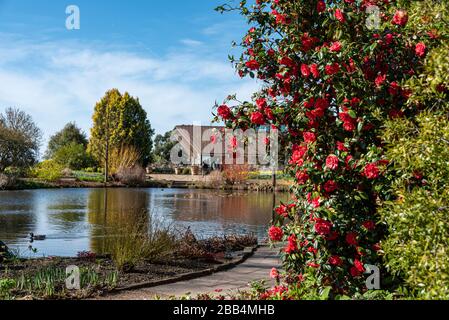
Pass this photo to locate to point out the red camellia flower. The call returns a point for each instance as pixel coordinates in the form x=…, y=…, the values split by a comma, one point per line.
x=276, y=234
x=394, y=88
x=282, y=210
x=330, y=186
x=312, y=250
x=321, y=104
x=309, y=137
x=308, y=42
x=351, y=239
x=224, y=112
x=302, y=177
x=321, y=6
x=332, y=162
x=280, y=18
x=380, y=79
x=298, y=155
x=261, y=103
x=369, y=225
x=287, y=61
x=274, y=273
x=359, y=266
x=305, y=71
x=349, y=123
x=269, y=113
x=335, y=261
x=253, y=65
x=323, y=227
x=349, y=126
x=315, y=71
x=316, y=202
x=332, y=69
x=400, y=18
x=292, y=245
x=371, y=171
x=257, y=118
x=340, y=16
x=355, y=273
x=420, y=49
x=341, y=147
x=335, y=47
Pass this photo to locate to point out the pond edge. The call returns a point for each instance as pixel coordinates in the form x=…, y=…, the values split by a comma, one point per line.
x=247, y=253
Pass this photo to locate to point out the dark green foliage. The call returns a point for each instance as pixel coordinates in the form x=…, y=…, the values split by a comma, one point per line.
x=162, y=148
x=417, y=247
x=71, y=134
x=20, y=139
x=74, y=156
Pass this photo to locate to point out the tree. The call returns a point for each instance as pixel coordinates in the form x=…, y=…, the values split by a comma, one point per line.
x=71, y=134
x=162, y=148
x=20, y=140
x=416, y=248
x=73, y=156
x=119, y=122
x=330, y=80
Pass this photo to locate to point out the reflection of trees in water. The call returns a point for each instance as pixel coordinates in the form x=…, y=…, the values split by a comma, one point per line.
x=113, y=211
x=245, y=208
x=16, y=215
x=67, y=214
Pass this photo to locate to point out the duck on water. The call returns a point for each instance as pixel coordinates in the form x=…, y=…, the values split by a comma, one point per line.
x=34, y=237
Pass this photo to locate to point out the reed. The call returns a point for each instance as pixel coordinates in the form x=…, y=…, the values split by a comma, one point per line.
x=146, y=239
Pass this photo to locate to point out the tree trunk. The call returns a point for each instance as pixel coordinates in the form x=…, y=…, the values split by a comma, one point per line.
x=106, y=164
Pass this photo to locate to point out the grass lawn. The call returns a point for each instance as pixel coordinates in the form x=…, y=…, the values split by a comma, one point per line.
x=88, y=176
x=268, y=175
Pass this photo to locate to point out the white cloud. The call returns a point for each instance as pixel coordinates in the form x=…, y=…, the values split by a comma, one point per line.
x=59, y=82
x=191, y=42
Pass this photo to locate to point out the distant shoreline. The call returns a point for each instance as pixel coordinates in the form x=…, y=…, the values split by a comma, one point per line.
x=167, y=183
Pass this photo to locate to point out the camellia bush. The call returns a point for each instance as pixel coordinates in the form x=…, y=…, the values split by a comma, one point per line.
x=332, y=74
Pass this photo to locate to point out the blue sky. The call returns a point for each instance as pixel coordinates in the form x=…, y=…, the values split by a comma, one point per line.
x=170, y=54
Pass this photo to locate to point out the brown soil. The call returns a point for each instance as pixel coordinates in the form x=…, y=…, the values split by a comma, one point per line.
x=104, y=268
x=193, y=256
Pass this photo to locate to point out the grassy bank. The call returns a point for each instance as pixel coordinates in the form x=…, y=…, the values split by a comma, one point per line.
x=80, y=179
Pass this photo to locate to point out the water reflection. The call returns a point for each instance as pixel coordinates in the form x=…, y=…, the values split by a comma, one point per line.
x=15, y=220
x=82, y=219
x=110, y=210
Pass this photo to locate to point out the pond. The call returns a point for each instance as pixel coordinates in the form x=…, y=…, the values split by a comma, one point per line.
x=76, y=220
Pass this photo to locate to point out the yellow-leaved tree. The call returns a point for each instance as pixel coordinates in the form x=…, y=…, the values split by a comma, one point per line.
x=119, y=121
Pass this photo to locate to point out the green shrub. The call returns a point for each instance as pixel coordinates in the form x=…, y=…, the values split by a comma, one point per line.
x=73, y=156
x=416, y=249
x=417, y=246
x=48, y=170
x=6, y=286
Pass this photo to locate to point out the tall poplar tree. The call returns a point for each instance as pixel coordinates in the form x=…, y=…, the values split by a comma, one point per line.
x=119, y=121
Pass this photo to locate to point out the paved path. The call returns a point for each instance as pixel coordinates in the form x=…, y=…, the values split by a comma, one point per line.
x=254, y=269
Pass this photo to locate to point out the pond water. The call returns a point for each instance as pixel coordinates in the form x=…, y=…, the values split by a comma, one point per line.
x=76, y=220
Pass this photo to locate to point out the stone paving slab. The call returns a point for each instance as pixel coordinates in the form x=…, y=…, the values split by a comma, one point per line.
x=256, y=268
